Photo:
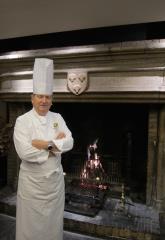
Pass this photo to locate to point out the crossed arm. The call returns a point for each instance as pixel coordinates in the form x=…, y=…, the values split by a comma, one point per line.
x=41, y=144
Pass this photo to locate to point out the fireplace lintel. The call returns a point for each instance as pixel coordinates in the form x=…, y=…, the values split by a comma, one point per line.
x=125, y=72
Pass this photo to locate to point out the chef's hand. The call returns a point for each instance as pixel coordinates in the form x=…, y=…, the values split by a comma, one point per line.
x=61, y=135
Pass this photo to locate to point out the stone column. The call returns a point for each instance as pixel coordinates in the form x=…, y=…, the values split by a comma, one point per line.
x=160, y=183
x=153, y=117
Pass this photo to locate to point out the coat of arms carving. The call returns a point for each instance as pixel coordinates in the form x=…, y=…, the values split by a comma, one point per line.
x=77, y=82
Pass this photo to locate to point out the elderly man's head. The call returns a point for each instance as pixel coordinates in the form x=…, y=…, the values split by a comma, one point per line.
x=41, y=103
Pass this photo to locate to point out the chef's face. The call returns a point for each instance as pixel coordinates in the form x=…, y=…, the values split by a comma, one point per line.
x=41, y=103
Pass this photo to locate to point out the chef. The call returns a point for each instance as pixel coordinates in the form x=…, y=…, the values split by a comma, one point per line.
x=40, y=137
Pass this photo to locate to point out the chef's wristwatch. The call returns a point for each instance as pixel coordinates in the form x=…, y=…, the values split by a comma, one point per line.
x=50, y=146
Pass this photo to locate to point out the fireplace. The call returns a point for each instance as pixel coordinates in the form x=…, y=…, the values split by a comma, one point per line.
x=117, y=101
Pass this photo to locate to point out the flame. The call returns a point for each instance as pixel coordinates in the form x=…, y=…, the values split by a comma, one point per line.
x=92, y=171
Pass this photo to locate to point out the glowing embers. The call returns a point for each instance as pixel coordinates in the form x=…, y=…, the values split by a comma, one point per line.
x=83, y=199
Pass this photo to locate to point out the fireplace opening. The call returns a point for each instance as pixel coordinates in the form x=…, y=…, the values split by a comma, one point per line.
x=121, y=134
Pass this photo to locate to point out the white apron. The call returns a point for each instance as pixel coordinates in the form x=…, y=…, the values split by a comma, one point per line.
x=40, y=205
x=40, y=194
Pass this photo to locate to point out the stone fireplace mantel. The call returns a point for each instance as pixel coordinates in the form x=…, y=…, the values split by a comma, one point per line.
x=127, y=72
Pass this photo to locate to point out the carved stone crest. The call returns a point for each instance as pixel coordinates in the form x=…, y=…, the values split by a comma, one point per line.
x=77, y=82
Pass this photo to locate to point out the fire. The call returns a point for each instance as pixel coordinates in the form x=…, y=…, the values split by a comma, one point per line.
x=92, y=172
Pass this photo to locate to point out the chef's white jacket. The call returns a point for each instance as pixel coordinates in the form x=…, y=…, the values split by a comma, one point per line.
x=40, y=194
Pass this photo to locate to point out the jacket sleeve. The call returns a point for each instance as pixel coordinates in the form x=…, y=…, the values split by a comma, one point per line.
x=23, y=146
x=64, y=144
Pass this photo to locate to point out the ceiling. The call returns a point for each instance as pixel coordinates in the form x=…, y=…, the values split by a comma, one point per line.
x=20, y=18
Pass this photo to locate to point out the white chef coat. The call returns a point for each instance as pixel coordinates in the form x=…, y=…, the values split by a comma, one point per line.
x=40, y=194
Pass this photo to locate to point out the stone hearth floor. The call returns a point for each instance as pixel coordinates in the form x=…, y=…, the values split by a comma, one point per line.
x=134, y=221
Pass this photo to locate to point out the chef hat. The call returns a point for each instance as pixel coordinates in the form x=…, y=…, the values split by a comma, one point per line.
x=43, y=76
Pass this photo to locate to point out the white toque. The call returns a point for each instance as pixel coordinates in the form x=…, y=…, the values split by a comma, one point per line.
x=43, y=76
